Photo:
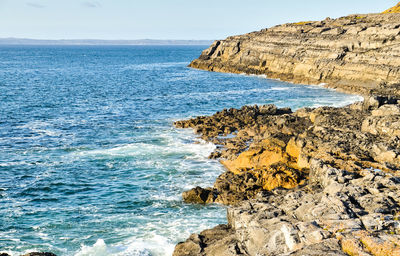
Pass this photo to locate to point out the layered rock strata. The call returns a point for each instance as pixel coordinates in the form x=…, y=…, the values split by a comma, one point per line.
x=322, y=181
x=356, y=53
x=304, y=182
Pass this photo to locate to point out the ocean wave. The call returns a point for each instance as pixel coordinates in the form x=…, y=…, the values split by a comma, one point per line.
x=280, y=88
x=230, y=92
x=42, y=128
x=155, y=238
x=153, y=66
x=99, y=249
x=337, y=101
x=138, y=247
x=170, y=144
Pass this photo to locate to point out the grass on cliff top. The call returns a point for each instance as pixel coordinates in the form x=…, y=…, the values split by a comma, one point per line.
x=302, y=23
x=394, y=9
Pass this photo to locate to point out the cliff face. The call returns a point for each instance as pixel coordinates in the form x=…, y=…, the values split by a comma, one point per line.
x=321, y=181
x=357, y=53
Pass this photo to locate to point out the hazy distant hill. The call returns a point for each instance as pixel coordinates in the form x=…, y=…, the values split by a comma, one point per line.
x=25, y=41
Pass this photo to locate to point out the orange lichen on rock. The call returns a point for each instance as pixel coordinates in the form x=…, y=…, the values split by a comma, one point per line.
x=274, y=164
x=380, y=248
x=271, y=151
x=279, y=175
x=365, y=243
x=302, y=23
x=394, y=9
x=352, y=247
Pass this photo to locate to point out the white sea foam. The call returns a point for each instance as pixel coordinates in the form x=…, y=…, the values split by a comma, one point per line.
x=146, y=149
x=159, y=232
x=153, y=66
x=260, y=76
x=41, y=128
x=280, y=88
x=166, y=198
x=98, y=249
x=172, y=144
x=338, y=101
x=349, y=100
x=160, y=246
x=156, y=238
x=14, y=253
x=231, y=92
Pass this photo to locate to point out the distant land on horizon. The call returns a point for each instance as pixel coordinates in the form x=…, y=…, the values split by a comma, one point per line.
x=27, y=41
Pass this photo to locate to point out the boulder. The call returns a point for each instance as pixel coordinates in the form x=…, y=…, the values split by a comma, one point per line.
x=199, y=195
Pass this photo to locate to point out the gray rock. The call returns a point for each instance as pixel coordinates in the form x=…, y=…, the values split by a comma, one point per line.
x=309, y=220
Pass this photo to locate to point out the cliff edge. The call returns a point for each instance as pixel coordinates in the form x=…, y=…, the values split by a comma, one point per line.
x=356, y=53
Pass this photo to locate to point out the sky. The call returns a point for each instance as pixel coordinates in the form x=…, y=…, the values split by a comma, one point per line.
x=164, y=19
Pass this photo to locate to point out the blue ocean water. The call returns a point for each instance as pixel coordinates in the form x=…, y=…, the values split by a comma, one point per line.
x=90, y=163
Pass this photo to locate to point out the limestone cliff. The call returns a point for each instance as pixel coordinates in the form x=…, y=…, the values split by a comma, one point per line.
x=322, y=181
x=357, y=53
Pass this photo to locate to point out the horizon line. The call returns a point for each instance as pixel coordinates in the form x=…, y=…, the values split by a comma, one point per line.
x=31, y=41
x=99, y=39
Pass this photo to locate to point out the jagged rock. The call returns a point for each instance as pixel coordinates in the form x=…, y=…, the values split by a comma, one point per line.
x=385, y=124
x=234, y=188
x=273, y=150
x=387, y=110
x=221, y=237
x=199, y=195
x=343, y=209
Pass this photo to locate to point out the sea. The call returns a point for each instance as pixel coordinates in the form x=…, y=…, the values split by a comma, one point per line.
x=90, y=163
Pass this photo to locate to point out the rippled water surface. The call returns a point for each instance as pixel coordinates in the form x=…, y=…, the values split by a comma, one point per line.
x=89, y=161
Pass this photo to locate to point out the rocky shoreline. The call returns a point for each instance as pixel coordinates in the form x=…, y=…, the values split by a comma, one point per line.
x=331, y=172
x=317, y=181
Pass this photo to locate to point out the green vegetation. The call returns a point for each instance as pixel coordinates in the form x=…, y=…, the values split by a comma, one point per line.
x=302, y=23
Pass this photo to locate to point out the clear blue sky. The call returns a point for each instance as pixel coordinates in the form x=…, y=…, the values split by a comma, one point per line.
x=164, y=19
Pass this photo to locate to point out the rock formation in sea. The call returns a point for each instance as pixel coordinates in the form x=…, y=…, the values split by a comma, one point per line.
x=317, y=181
